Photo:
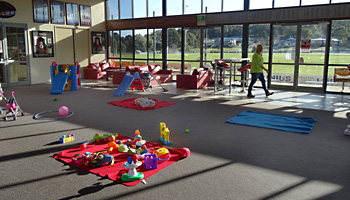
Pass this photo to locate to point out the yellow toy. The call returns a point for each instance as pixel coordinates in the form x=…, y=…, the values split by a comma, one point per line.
x=164, y=134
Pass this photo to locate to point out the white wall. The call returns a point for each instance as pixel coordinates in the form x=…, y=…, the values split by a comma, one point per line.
x=40, y=67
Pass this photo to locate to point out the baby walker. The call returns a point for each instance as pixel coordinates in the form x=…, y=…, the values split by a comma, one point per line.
x=11, y=106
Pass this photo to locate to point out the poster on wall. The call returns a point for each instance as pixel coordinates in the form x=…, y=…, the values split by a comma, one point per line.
x=72, y=14
x=98, y=42
x=57, y=12
x=41, y=11
x=85, y=15
x=42, y=44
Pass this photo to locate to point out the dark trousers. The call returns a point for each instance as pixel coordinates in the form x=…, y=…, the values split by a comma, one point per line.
x=256, y=76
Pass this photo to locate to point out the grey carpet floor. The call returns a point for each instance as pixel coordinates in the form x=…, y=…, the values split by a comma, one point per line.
x=227, y=161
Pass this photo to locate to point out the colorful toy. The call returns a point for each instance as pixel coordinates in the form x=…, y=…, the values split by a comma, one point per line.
x=63, y=110
x=67, y=138
x=145, y=102
x=105, y=137
x=98, y=159
x=151, y=161
x=164, y=134
x=187, y=130
x=64, y=77
x=132, y=174
x=112, y=147
x=11, y=106
x=162, y=154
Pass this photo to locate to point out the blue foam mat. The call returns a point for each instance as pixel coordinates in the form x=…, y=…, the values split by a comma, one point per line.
x=273, y=121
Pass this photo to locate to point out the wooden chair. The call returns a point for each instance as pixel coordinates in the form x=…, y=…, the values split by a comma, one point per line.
x=341, y=75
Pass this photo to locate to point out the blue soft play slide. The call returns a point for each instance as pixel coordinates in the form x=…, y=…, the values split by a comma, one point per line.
x=58, y=83
x=124, y=85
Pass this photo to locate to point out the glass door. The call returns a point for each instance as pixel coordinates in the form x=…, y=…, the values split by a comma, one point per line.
x=298, y=55
x=14, y=57
x=283, y=55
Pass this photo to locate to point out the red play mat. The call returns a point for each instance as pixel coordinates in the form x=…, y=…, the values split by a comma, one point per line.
x=115, y=171
x=130, y=103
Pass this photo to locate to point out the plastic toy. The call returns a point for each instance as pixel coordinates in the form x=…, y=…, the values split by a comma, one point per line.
x=112, y=147
x=64, y=77
x=67, y=138
x=187, y=130
x=63, y=110
x=162, y=154
x=98, y=159
x=145, y=102
x=11, y=106
x=132, y=174
x=105, y=137
x=185, y=152
x=151, y=161
x=164, y=134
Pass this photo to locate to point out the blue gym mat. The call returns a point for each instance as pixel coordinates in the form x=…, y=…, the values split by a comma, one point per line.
x=272, y=121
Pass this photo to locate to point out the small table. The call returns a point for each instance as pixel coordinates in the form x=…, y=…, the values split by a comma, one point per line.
x=109, y=73
x=230, y=60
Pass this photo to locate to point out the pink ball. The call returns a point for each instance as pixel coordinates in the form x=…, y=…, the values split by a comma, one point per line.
x=63, y=110
x=186, y=152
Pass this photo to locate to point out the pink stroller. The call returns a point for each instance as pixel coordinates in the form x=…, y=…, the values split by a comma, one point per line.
x=11, y=106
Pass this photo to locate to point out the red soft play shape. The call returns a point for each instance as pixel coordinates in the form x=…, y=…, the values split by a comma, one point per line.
x=130, y=103
x=115, y=171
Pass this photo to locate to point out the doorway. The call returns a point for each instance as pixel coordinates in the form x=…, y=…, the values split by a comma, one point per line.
x=298, y=55
x=14, y=65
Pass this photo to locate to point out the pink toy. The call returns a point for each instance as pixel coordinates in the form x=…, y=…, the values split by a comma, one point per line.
x=63, y=110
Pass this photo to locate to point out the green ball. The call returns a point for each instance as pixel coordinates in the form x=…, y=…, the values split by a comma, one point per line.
x=187, y=130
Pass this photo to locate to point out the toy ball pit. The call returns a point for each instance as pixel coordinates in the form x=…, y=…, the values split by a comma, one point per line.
x=63, y=110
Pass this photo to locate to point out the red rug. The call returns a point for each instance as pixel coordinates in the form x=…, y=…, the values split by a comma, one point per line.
x=130, y=103
x=115, y=171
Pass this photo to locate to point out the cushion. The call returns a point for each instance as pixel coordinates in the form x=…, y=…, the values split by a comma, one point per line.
x=224, y=64
x=104, y=66
x=94, y=66
x=197, y=71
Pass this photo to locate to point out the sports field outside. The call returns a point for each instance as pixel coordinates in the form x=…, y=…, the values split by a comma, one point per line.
x=309, y=58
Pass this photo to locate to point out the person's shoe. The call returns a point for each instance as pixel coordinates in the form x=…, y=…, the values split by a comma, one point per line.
x=250, y=96
x=268, y=94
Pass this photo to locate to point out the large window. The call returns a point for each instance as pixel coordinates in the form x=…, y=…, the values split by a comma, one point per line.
x=125, y=9
x=114, y=43
x=233, y=5
x=155, y=44
x=211, y=6
x=112, y=9
x=259, y=34
x=154, y=8
x=260, y=4
x=140, y=9
x=284, y=3
x=127, y=44
x=193, y=6
x=174, y=44
x=233, y=41
x=314, y=2
x=141, y=44
x=174, y=7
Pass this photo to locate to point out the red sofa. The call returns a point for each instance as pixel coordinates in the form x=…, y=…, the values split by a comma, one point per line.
x=96, y=70
x=199, y=78
x=163, y=76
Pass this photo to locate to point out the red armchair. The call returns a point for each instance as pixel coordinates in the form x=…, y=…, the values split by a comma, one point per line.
x=96, y=70
x=200, y=78
x=163, y=76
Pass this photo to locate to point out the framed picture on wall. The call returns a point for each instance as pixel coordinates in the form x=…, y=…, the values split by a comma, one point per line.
x=57, y=12
x=98, y=42
x=41, y=11
x=85, y=15
x=72, y=14
x=42, y=44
